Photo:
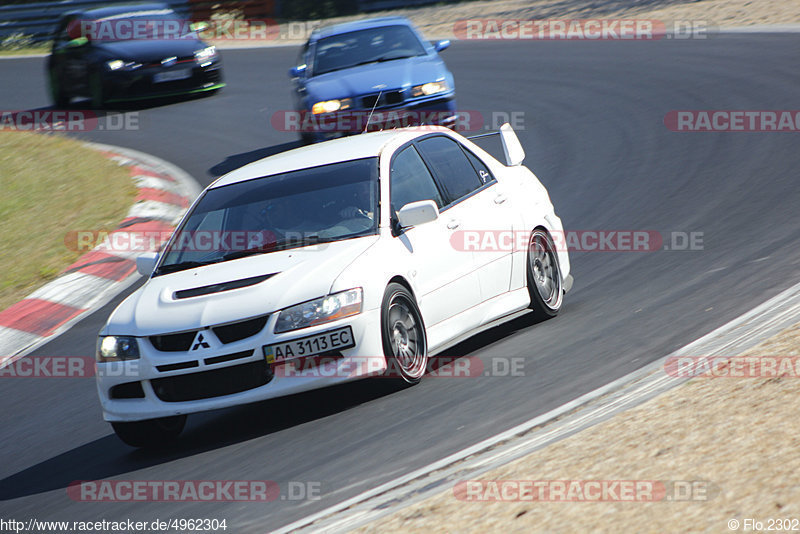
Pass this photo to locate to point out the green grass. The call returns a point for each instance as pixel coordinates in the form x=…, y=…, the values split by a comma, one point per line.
x=51, y=185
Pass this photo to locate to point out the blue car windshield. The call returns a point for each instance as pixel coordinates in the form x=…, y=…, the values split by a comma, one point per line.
x=289, y=210
x=361, y=47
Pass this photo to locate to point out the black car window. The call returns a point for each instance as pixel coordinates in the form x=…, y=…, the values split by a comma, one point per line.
x=450, y=166
x=480, y=167
x=62, y=31
x=411, y=181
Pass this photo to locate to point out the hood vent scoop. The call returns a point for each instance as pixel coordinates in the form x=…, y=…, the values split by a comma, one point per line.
x=223, y=286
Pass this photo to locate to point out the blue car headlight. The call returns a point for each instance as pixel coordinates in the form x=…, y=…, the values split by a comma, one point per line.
x=320, y=311
x=431, y=88
x=329, y=106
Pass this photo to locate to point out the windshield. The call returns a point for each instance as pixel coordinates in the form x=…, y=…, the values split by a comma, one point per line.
x=289, y=210
x=135, y=25
x=365, y=46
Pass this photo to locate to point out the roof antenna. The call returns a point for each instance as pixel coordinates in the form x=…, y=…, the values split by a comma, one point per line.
x=372, y=111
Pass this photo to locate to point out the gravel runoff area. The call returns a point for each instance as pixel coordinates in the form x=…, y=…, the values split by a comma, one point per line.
x=439, y=21
x=717, y=454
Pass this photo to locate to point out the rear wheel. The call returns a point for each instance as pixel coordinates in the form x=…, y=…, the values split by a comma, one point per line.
x=151, y=433
x=544, y=275
x=404, y=342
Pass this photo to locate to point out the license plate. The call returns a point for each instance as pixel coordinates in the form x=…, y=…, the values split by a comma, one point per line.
x=172, y=75
x=341, y=338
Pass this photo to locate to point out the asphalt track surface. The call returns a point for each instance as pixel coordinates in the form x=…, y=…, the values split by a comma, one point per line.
x=594, y=134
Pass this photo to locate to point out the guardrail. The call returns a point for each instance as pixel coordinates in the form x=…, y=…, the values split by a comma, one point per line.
x=38, y=20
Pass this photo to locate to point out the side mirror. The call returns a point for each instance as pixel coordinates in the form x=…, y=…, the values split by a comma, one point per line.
x=146, y=263
x=441, y=45
x=78, y=42
x=512, y=148
x=199, y=27
x=296, y=72
x=416, y=213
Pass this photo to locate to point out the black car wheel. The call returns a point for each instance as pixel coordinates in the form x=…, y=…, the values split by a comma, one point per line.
x=96, y=91
x=405, y=344
x=544, y=275
x=151, y=433
x=57, y=94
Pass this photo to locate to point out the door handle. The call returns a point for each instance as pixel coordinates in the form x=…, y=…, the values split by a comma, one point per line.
x=499, y=199
x=453, y=224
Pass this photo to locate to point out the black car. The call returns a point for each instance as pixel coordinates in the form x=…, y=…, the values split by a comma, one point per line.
x=125, y=53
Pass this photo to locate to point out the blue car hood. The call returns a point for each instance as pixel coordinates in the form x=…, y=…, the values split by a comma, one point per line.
x=371, y=78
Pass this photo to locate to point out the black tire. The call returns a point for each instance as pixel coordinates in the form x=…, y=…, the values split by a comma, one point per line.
x=97, y=93
x=545, y=285
x=405, y=344
x=151, y=433
x=60, y=99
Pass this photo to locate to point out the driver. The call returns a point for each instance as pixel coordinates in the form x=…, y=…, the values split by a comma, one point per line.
x=356, y=202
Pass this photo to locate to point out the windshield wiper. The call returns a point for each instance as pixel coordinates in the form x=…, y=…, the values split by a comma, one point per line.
x=247, y=252
x=180, y=266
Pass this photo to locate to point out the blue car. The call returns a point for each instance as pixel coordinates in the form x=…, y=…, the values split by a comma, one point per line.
x=370, y=74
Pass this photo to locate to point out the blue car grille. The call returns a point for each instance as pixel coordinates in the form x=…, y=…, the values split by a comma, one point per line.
x=386, y=98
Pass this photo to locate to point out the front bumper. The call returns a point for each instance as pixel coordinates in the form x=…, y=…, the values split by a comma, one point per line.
x=139, y=84
x=217, y=381
x=438, y=110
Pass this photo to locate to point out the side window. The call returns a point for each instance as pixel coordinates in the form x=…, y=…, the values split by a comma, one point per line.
x=411, y=181
x=451, y=166
x=61, y=33
x=480, y=167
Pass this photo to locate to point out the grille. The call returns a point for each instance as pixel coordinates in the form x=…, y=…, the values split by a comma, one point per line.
x=241, y=330
x=387, y=98
x=209, y=384
x=129, y=390
x=177, y=366
x=173, y=342
x=228, y=357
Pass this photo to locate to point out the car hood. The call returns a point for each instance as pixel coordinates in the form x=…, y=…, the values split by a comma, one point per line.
x=298, y=275
x=150, y=50
x=373, y=77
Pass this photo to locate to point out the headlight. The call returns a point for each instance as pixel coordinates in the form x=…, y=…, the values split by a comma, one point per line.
x=427, y=89
x=115, y=64
x=329, y=106
x=117, y=348
x=206, y=54
x=319, y=311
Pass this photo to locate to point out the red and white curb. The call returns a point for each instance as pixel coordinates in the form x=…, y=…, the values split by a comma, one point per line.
x=165, y=192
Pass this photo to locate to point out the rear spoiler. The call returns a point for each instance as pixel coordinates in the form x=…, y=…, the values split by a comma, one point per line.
x=512, y=148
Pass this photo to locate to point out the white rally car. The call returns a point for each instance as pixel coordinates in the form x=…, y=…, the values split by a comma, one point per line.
x=355, y=257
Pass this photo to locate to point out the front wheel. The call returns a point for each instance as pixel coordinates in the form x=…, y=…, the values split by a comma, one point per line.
x=405, y=344
x=544, y=276
x=59, y=97
x=97, y=93
x=151, y=433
